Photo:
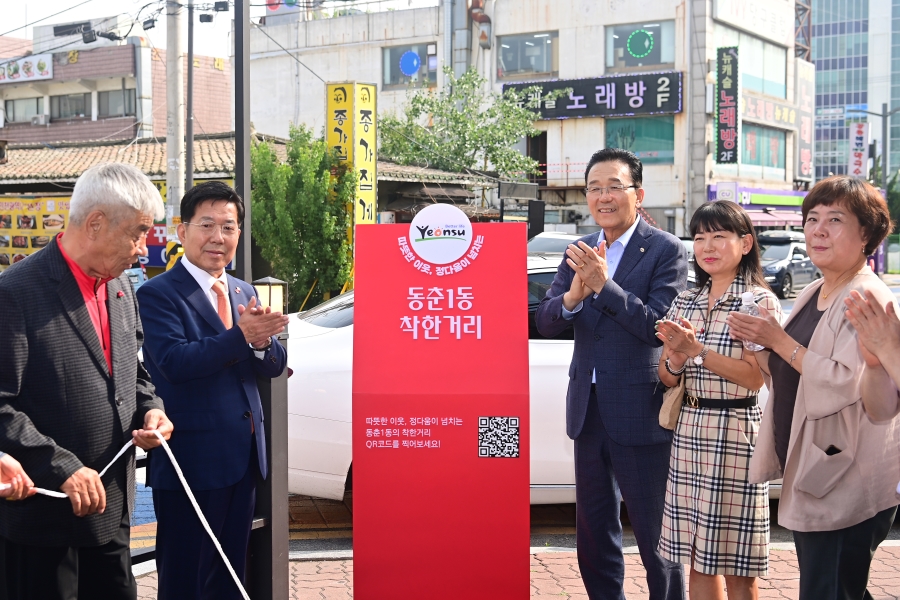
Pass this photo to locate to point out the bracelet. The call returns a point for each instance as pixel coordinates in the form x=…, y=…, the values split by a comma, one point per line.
x=678, y=372
x=794, y=355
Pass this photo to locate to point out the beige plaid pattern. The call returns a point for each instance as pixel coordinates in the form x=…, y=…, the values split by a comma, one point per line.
x=711, y=512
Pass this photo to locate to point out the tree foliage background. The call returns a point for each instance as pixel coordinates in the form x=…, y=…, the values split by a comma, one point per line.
x=298, y=224
x=467, y=127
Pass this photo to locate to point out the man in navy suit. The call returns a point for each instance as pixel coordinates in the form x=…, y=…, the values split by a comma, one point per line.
x=612, y=287
x=207, y=340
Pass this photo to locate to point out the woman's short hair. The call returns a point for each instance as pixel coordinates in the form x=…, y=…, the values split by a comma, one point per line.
x=725, y=215
x=861, y=199
x=114, y=187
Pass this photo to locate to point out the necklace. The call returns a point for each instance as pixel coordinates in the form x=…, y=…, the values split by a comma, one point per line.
x=825, y=296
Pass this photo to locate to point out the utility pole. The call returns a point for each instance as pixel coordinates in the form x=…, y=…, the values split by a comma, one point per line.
x=174, y=115
x=189, y=142
x=242, y=140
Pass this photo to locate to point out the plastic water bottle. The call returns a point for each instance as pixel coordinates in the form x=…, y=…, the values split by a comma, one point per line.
x=750, y=307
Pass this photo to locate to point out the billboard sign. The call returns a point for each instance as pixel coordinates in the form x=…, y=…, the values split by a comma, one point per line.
x=728, y=120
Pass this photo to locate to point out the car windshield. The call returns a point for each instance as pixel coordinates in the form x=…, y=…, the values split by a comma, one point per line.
x=550, y=243
x=538, y=284
x=774, y=251
x=337, y=312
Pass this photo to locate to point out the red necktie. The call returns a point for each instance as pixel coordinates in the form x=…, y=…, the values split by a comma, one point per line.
x=222, y=305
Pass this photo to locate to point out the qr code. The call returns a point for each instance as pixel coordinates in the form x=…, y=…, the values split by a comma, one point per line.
x=498, y=437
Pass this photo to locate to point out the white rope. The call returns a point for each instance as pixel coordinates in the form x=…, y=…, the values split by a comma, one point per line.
x=187, y=489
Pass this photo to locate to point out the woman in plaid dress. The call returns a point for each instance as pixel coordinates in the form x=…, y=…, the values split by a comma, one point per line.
x=714, y=520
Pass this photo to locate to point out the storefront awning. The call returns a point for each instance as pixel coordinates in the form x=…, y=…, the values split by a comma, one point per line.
x=775, y=218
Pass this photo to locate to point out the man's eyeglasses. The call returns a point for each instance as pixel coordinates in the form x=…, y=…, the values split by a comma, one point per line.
x=613, y=189
x=209, y=229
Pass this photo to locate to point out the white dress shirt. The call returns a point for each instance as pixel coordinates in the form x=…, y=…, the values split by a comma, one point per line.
x=206, y=281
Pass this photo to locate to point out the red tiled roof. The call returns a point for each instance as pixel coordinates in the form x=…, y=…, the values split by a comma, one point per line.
x=64, y=162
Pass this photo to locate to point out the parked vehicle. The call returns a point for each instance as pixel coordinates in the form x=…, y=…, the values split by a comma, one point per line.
x=786, y=264
x=552, y=241
x=320, y=352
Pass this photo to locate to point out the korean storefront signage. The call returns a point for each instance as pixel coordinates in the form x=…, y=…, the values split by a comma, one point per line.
x=441, y=421
x=859, y=150
x=30, y=68
x=27, y=224
x=772, y=113
x=728, y=121
x=805, y=98
x=350, y=129
x=611, y=96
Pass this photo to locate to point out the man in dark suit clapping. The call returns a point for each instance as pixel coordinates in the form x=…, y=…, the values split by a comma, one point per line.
x=207, y=342
x=72, y=392
x=612, y=287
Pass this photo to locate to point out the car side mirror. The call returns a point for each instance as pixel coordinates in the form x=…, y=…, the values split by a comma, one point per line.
x=797, y=258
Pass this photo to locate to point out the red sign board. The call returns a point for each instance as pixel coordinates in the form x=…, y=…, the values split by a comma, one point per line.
x=440, y=413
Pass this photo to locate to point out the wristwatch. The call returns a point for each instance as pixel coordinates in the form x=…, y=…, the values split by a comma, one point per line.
x=698, y=360
x=261, y=352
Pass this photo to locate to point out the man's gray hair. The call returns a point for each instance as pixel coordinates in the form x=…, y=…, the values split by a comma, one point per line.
x=113, y=187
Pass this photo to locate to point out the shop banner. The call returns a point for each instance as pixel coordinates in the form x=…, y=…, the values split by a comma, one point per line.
x=350, y=129
x=728, y=121
x=30, y=68
x=858, y=166
x=624, y=95
x=441, y=410
x=27, y=224
x=805, y=98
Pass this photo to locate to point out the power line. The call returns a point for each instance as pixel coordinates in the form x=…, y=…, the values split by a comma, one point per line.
x=287, y=51
x=45, y=18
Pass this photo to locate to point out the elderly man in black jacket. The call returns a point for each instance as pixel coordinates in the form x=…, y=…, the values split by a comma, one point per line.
x=72, y=392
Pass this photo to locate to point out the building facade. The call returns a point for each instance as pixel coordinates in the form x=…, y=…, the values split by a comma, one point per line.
x=63, y=89
x=647, y=85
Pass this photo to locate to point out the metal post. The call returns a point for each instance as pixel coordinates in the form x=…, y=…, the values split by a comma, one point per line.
x=189, y=125
x=268, y=573
x=242, y=131
x=501, y=209
x=885, y=146
x=175, y=115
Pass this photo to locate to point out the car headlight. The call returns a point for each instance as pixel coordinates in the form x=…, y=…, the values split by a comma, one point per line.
x=772, y=269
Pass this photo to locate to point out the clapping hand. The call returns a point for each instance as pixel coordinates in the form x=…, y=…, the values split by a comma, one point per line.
x=589, y=264
x=679, y=338
x=878, y=330
x=259, y=324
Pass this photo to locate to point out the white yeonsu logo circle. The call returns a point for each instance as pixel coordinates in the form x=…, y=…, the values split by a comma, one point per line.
x=440, y=234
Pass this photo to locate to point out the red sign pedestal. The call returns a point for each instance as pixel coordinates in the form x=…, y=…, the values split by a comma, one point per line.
x=440, y=419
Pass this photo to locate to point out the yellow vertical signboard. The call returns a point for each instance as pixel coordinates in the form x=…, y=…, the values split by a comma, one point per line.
x=350, y=129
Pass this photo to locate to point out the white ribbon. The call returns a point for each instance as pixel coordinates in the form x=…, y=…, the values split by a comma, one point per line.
x=187, y=489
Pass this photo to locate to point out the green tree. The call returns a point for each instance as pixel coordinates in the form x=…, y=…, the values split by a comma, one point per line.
x=301, y=216
x=467, y=128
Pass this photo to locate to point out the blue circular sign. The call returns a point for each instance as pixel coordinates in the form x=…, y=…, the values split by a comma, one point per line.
x=409, y=63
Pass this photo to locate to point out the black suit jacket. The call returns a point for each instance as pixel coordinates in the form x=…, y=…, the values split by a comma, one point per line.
x=59, y=407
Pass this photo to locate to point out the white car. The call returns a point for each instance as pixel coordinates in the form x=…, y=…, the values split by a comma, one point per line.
x=320, y=352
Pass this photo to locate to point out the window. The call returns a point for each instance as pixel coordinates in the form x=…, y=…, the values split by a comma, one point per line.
x=69, y=106
x=763, y=66
x=21, y=111
x=538, y=284
x=640, y=45
x=405, y=65
x=333, y=314
x=111, y=105
x=763, y=146
x=652, y=139
x=523, y=56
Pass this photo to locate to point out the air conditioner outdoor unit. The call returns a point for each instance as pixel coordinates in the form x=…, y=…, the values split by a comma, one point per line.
x=39, y=120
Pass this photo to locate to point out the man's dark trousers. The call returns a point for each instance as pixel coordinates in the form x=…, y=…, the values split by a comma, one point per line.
x=192, y=565
x=606, y=473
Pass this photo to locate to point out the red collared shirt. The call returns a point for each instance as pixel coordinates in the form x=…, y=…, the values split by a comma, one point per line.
x=94, y=292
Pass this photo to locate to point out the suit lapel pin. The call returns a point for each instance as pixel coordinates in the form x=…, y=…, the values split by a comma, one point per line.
x=642, y=249
x=237, y=290
x=120, y=294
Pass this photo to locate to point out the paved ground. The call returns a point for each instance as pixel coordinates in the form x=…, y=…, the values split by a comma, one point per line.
x=555, y=574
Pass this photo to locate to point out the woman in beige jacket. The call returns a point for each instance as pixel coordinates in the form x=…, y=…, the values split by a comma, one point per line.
x=840, y=469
